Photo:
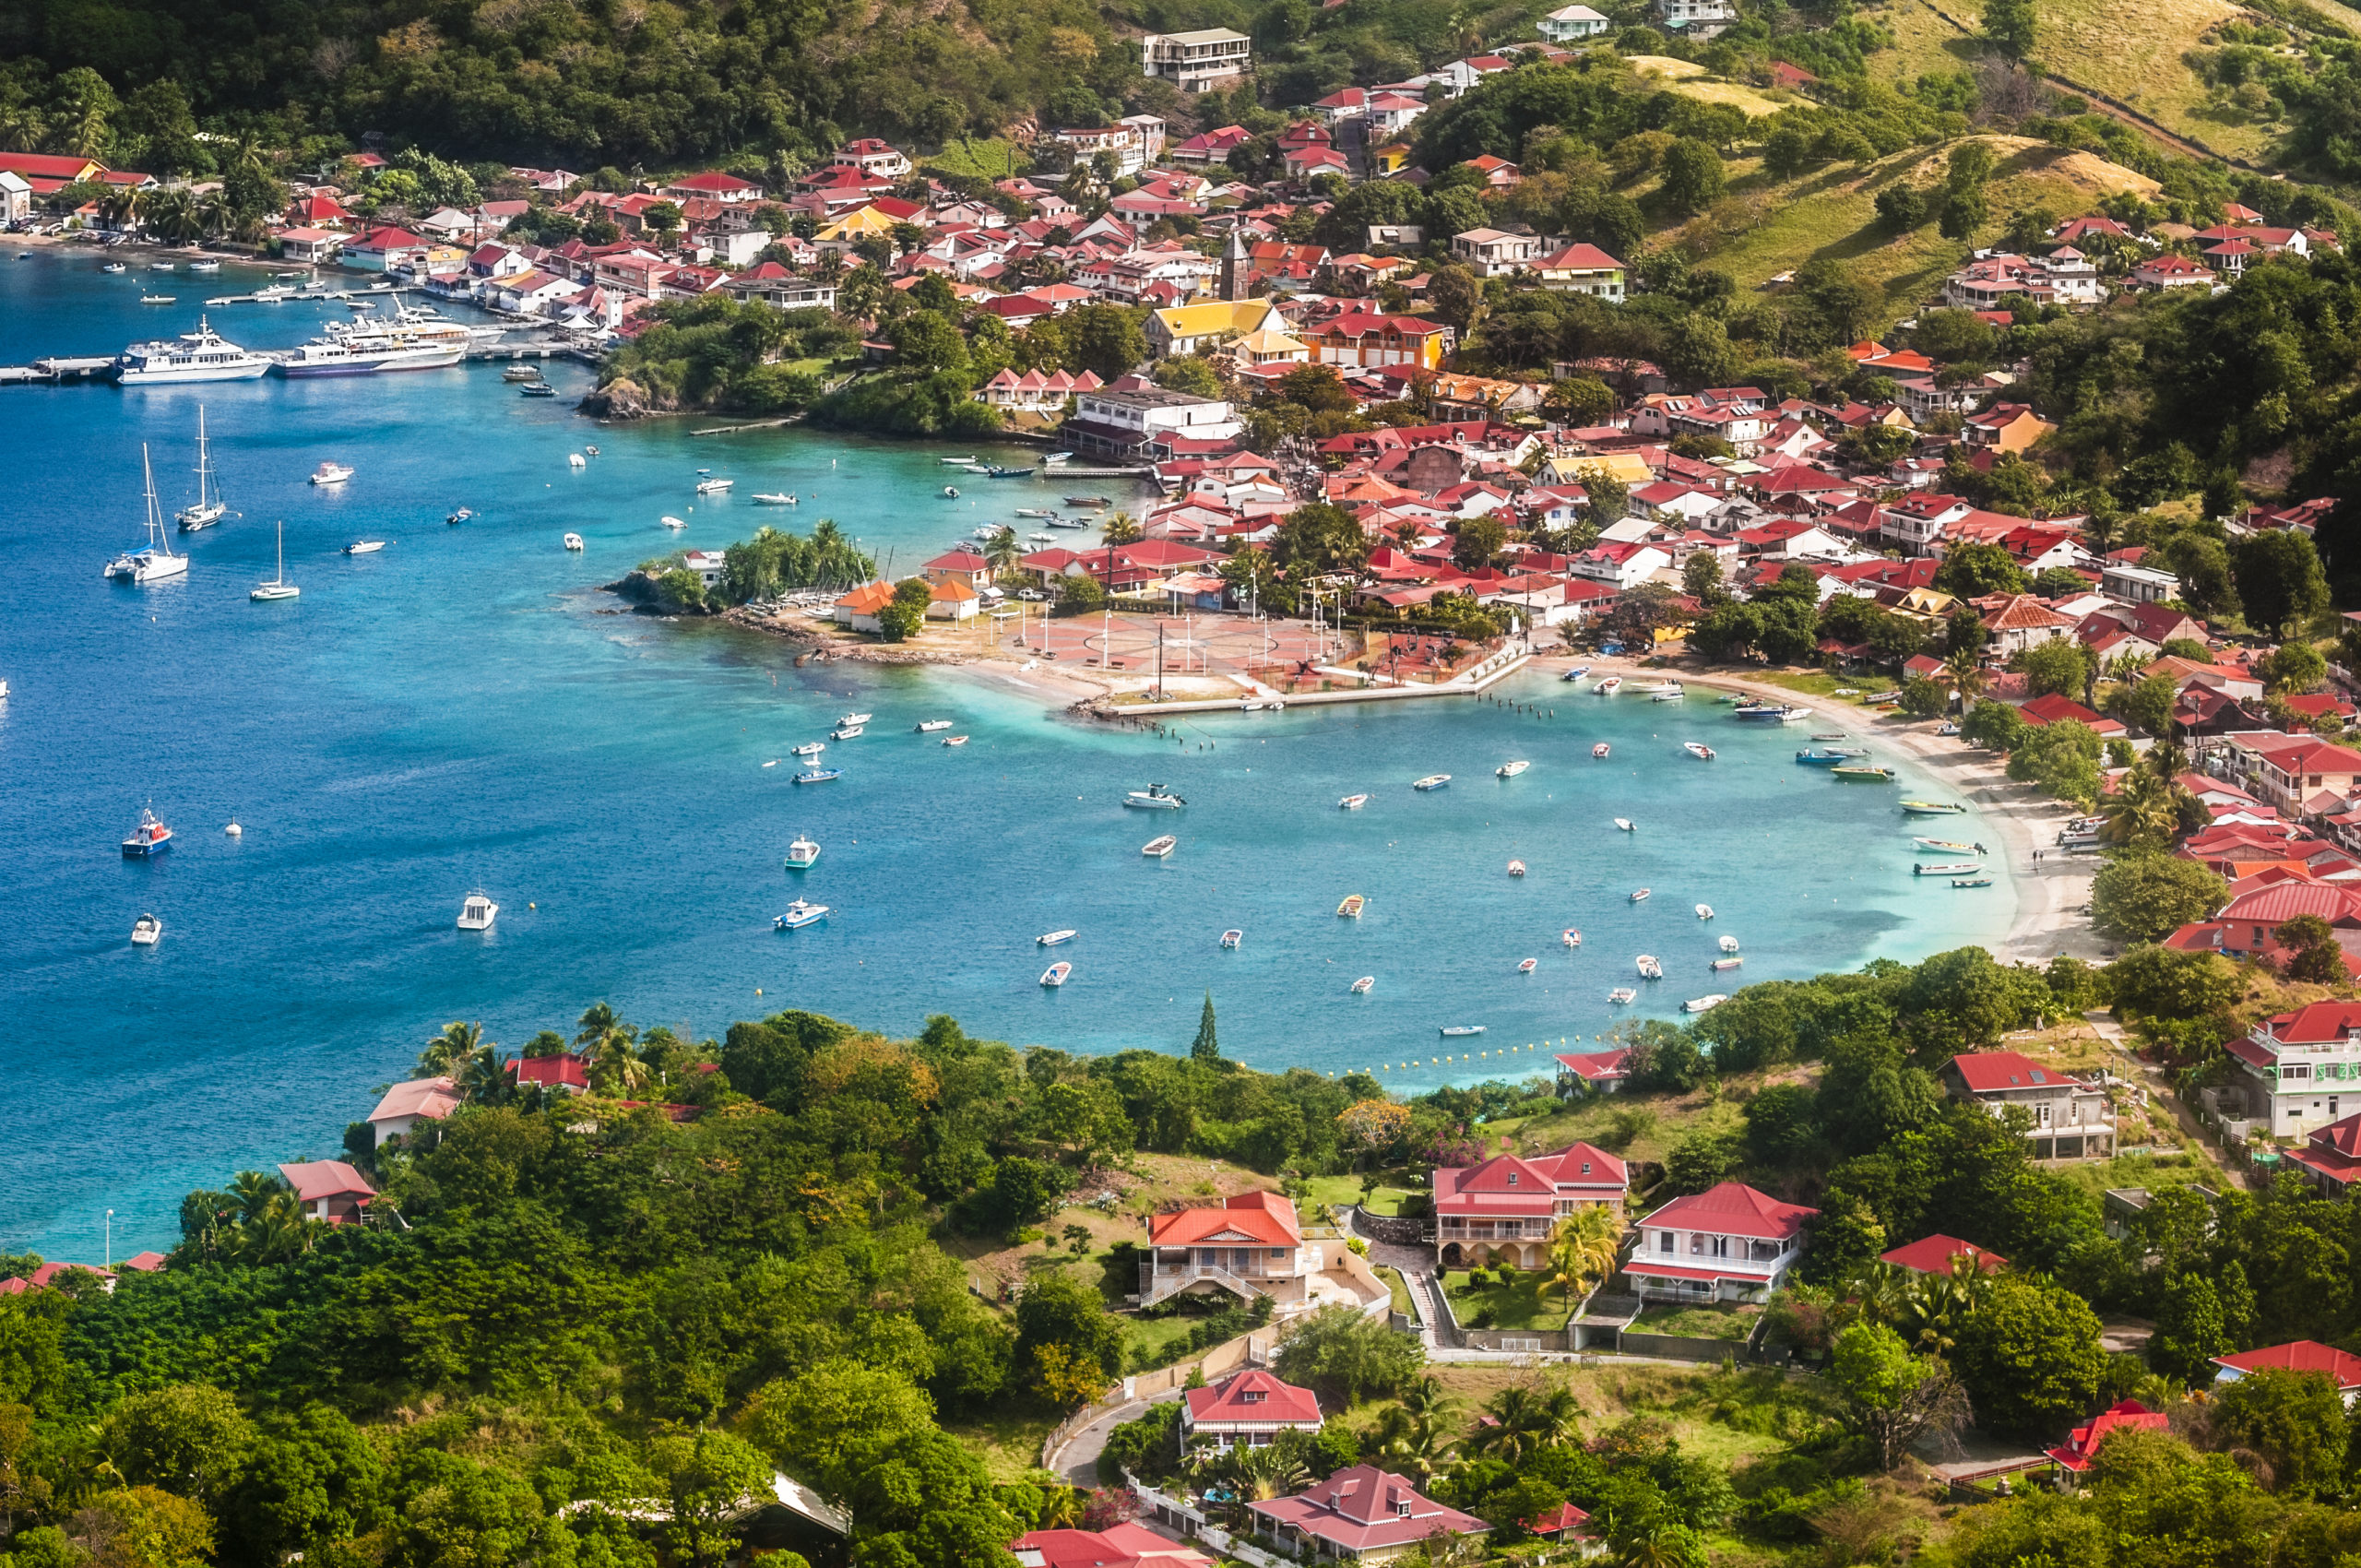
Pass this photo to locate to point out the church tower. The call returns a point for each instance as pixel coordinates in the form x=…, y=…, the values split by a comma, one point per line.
x=1235, y=266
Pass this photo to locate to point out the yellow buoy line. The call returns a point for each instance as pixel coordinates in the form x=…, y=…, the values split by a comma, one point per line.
x=1471, y=1056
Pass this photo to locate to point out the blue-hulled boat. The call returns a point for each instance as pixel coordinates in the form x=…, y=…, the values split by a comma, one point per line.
x=1828, y=757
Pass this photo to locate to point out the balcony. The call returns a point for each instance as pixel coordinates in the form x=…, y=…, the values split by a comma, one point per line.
x=1162, y=1283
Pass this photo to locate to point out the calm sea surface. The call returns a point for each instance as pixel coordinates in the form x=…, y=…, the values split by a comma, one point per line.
x=464, y=710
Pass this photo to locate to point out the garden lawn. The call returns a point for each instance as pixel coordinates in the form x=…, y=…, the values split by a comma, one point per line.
x=1008, y=1438
x=1524, y=1302
x=1158, y=1342
x=1393, y=1278
x=1733, y=1323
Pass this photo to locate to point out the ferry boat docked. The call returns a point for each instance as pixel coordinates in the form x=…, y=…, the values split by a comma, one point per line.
x=1055, y=975
x=412, y=339
x=1353, y=803
x=478, y=912
x=1050, y=939
x=201, y=355
x=801, y=913
x=1351, y=906
x=1161, y=848
x=801, y=853
x=1155, y=797
x=145, y=931
x=1432, y=781
x=1231, y=938
x=150, y=838
x=1511, y=769
x=155, y=563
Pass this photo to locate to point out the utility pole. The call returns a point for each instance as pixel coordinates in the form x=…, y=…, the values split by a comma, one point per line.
x=110, y=1239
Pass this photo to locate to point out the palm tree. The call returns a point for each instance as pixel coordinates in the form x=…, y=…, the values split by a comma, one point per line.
x=1583, y=1250
x=598, y=1021
x=452, y=1046
x=1529, y=1419
x=1965, y=673
x=1003, y=552
x=484, y=1078
x=615, y=1066
x=254, y=1190
x=1061, y=1508
x=172, y=216
x=1120, y=527
x=2143, y=811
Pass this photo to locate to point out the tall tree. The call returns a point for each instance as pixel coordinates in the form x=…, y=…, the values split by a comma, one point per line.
x=1205, y=1047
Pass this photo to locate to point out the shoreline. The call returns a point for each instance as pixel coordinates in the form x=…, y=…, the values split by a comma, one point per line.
x=2049, y=921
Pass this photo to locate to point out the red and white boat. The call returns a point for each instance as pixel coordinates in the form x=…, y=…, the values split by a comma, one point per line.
x=150, y=839
x=1599, y=751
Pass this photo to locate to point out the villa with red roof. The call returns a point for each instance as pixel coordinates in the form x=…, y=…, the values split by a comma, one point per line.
x=2330, y=1158
x=1252, y=1245
x=2075, y=1454
x=1125, y=1544
x=1246, y=1409
x=406, y=1105
x=1727, y=1243
x=1943, y=1254
x=2301, y=1355
x=1597, y=1071
x=2304, y=1066
x=564, y=1070
x=1363, y=1515
x=1506, y=1207
x=2070, y=1116
x=329, y=1190
x=714, y=186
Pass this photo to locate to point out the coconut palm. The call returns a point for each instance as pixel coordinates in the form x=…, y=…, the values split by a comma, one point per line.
x=1528, y=1418
x=1003, y=552
x=1964, y=671
x=254, y=1190
x=598, y=1021
x=615, y=1067
x=1120, y=527
x=483, y=1076
x=2143, y=811
x=172, y=216
x=452, y=1046
x=1583, y=1248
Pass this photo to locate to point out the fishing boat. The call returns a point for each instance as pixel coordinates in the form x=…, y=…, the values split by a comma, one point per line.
x=1231, y=938
x=155, y=562
x=331, y=473
x=1351, y=906
x=1526, y=968
x=801, y=913
x=1703, y=1004
x=1718, y=965
x=844, y=719
x=1576, y=674
x=1622, y=996
x=574, y=542
x=1051, y=938
x=1600, y=751
x=773, y=498
x=1828, y=757
x=1155, y=798
x=148, y=840
x=1729, y=943
x=1828, y=734
x=1648, y=967
x=278, y=586
x=846, y=733
x=1361, y=986
x=997, y=473
x=1353, y=803
x=537, y=390
x=1861, y=773
x=145, y=931
x=208, y=509
x=810, y=749
x=1570, y=937
x=1088, y=500
x=1704, y=911
x=1055, y=975
x=820, y=775
x=364, y=547
x=1933, y=808
x=1457, y=1031
x=1701, y=751
x=929, y=725
x=1971, y=882
x=1626, y=825
x=1953, y=845
x=803, y=852
x=1516, y=868
x=1638, y=895
x=1432, y=781
x=1948, y=867
x=955, y=740
x=1609, y=687
x=478, y=911
x=714, y=486
x=1161, y=848
x=1511, y=769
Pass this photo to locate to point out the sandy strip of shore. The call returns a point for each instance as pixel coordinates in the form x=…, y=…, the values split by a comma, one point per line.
x=2049, y=896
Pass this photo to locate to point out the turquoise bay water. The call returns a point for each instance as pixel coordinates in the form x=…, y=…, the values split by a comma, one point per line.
x=465, y=711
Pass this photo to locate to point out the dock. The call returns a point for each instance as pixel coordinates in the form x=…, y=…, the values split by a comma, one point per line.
x=1072, y=470
x=57, y=370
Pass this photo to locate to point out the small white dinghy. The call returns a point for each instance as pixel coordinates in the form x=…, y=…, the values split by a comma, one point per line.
x=1730, y=944
x=1361, y=986
x=574, y=542
x=1704, y=911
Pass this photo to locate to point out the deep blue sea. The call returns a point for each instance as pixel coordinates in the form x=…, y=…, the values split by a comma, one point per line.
x=465, y=711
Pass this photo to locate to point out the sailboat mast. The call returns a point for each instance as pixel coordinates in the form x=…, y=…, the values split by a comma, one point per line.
x=155, y=518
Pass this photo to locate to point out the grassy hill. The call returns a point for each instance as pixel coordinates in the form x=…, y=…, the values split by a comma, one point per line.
x=1766, y=227
x=1686, y=77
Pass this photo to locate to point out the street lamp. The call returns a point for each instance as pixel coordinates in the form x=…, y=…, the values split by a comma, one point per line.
x=109, y=1238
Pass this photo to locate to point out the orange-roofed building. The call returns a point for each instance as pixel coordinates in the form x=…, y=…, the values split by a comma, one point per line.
x=1252, y=1245
x=859, y=609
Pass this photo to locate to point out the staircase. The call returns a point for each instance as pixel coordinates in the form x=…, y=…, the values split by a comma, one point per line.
x=1172, y=1282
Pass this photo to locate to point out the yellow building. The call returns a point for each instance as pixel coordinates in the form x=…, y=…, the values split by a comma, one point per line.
x=1572, y=467
x=1192, y=329
x=860, y=223
x=1270, y=348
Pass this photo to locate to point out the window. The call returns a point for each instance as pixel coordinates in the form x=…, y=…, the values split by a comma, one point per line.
x=1511, y=1178
x=1664, y=1241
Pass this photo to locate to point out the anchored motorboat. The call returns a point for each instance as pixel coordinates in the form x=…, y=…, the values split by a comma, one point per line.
x=1527, y=967
x=1648, y=967
x=1155, y=797
x=1729, y=943
x=1055, y=975
x=331, y=472
x=1351, y=906
x=1051, y=938
x=574, y=542
x=1704, y=911
x=145, y=931
x=1697, y=749
x=1600, y=751
x=1361, y=986
x=820, y=775
x=1626, y=824
x=150, y=838
x=1639, y=895
x=929, y=725
x=1432, y=781
x=846, y=731
x=1353, y=803
x=1702, y=1003
x=478, y=912
x=1516, y=868
x=1511, y=769
x=1622, y=996
x=1232, y=938
x=364, y=547
x=1570, y=937
x=801, y=913
x=1455, y=1031
x=803, y=852
x=1161, y=848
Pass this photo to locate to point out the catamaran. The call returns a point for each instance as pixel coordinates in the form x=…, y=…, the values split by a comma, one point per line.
x=156, y=563
x=208, y=507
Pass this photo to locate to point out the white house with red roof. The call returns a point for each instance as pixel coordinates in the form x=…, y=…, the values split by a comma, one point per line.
x=1596, y=1072
x=1507, y=1208
x=2342, y=1367
x=869, y=156
x=714, y=186
x=565, y=1071
x=406, y=1105
x=1362, y=1515
x=381, y=250
x=2330, y=1156
x=1727, y=1243
x=2074, y=1456
x=959, y=565
x=1944, y=1255
x=1246, y=1409
x=1252, y=1245
x=1124, y=1545
x=329, y=1190
x=2304, y=1066
x=2070, y=1117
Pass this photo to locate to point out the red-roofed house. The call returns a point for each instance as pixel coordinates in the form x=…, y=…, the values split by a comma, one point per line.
x=2074, y=1456
x=1246, y=1409
x=2330, y=1158
x=384, y=250
x=1600, y=1072
x=1507, y=1207
x=1363, y=1515
x=1943, y=1254
x=2301, y=1064
x=1729, y=1242
x=959, y=565
x=2051, y=707
x=2070, y=1117
x=2300, y=1356
x=564, y=1070
x=1125, y=1544
x=406, y=1105
x=2021, y=621
x=1251, y=1245
x=329, y=1190
x=714, y=186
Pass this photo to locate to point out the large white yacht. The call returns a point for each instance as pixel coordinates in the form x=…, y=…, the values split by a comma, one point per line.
x=156, y=561
x=201, y=355
x=414, y=339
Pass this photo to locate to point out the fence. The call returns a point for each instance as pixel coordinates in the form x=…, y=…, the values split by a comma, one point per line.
x=1186, y=1520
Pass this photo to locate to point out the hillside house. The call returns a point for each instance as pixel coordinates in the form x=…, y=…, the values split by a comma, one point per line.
x=1246, y=1409
x=1198, y=60
x=2301, y=1070
x=1573, y=24
x=1506, y=1208
x=406, y=1104
x=1362, y=1515
x=1727, y=1243
x=329, y=1190
x=2070, y=1117
x=2340, y=1367
x=1252, y=1245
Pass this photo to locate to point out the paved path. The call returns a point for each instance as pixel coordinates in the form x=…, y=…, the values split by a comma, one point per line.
x=1077, y=1460
x=2160, y=1089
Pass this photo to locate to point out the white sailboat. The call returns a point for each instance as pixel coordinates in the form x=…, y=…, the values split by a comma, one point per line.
x=278, y=586
x=156, y=563
x=208, y=507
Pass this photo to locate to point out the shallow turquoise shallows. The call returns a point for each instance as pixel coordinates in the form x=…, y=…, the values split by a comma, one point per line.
x=465, y=711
